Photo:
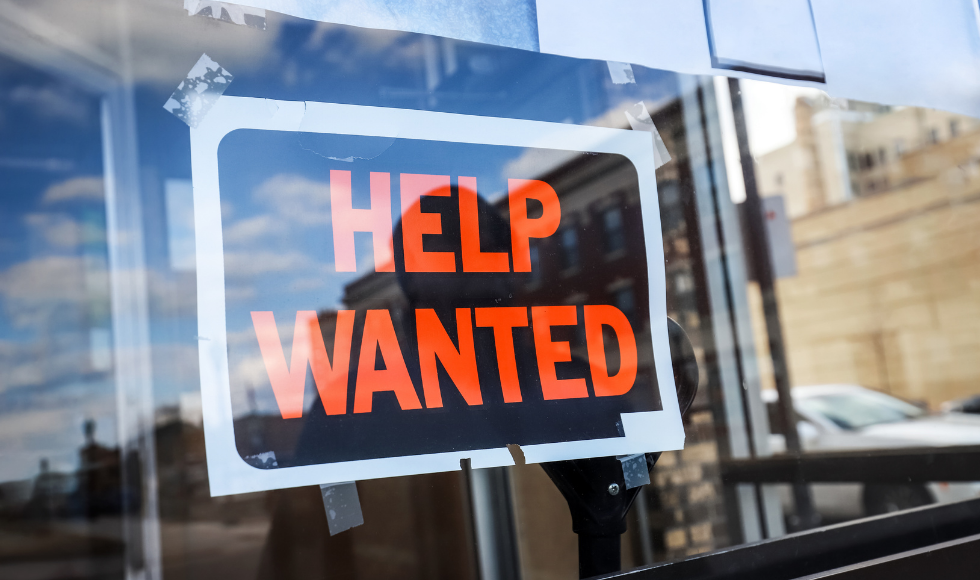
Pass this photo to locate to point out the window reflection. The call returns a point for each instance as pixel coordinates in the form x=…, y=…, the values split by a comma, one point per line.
x=61, y=487
x=882, y=207
x=569, y=249
x=536, y=273
x=867, y=318
x=625, y=301
x=612, y=227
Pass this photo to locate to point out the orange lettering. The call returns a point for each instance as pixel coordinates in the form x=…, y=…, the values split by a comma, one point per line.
x=331, y=381
x=460, y=364
x=469, y=233
x=503, y=321
x=523, y=228
x=379, y=333
x=622, y=382
x=549, y=353
x=415, y=224
x=345, y=221
x=288, y=384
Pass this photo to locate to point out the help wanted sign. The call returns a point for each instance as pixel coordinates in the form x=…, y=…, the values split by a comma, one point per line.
x=385, y=292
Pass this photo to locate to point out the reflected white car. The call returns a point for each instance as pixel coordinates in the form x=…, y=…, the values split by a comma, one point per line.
x=850, y=417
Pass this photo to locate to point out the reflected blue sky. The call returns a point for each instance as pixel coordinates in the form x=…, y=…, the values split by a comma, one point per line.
x=54, y=301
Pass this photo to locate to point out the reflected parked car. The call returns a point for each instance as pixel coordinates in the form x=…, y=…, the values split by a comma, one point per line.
x=967, y=405
x=850, y=417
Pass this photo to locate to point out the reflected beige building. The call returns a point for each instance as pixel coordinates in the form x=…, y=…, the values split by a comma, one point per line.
x=884, y=211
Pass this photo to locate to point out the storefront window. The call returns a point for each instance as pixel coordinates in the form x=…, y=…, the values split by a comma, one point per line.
x=373, y=263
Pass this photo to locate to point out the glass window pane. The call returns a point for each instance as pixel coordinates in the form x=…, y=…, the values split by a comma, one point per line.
x=859, y=300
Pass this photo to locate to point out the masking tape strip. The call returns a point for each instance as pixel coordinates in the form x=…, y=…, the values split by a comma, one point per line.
x=621, y=72
x=227, y=12
x=196, y=94
x=640, y=120
x=342, y=506
x=635, y=471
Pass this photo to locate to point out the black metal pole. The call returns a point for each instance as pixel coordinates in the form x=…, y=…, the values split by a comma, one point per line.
x=759, y=245
x=598, y=554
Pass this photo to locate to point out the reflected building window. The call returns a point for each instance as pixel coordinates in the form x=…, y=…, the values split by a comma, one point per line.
x=671, y=210
x=578, y=338
x=867, y=161
x=612, y=230
x=683, y=282
x=535, y=277
x=569, y=249
x=626, y=302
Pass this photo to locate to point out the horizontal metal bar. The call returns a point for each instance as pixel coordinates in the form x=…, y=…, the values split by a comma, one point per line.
x=826, y=549
x=910, y=465
x=953, y=559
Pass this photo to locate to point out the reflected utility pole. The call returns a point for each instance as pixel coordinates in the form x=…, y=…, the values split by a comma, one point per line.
x=762, y=262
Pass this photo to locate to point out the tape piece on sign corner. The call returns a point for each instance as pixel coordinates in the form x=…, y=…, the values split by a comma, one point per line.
x=640, y=120
x=227, y=12
x=196, y=94
x=621, y=72
x=342, y=506
x=635, y=471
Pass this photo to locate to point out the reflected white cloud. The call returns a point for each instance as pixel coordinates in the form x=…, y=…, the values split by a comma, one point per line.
x=19, y=364
x=54, y=102
x=171, y=294
x=248, y=264
x=57, y=230
x=44, y=362
x=252, y=230
x=249, y=371
x=306, y=284
x=239, y=293
x=86, y=188
x=296, y=198
x=176, y=365
x=32, y=290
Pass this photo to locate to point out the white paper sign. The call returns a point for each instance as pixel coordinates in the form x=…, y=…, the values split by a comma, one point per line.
x=428, y=327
